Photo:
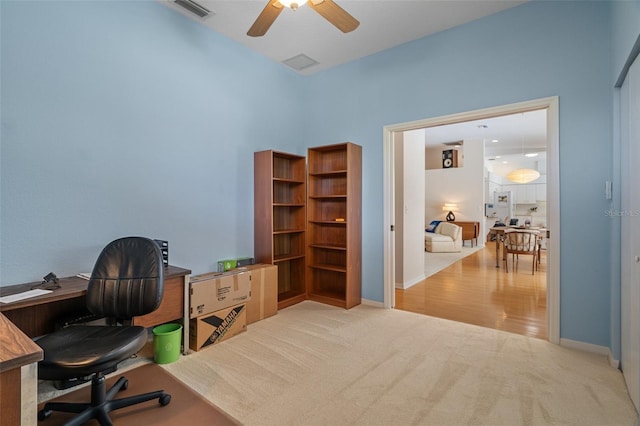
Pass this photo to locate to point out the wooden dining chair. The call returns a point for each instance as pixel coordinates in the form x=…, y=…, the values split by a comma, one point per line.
x=520, y=241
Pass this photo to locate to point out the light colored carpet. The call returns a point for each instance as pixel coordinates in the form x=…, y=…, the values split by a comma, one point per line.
x=436, y=262
x=314, y=364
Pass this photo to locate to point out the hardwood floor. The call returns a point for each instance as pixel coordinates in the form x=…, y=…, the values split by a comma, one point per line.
x=474, y=291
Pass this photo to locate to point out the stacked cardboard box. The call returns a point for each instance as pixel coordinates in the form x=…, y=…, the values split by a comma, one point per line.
x=217, y=327
x=217, y=307
x=222, y=304
x=215, y=291
x=264, y=292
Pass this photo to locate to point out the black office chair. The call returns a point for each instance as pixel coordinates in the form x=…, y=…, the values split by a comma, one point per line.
x=127, y=281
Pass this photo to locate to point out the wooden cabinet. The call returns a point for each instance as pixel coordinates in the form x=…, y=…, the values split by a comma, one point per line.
x=470, y=231
x=172, y=306
x=280, y=220
x=334, y=230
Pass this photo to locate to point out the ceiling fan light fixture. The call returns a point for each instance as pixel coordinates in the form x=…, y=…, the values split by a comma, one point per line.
x=329, y=10
x=292, y=4
x=523, y=175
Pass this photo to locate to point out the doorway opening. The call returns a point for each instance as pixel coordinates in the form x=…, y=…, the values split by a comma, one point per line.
x=395, y=132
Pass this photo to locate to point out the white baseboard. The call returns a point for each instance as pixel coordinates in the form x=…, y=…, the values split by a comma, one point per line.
x=373, y=303
x=589, y=347
x=404, y=286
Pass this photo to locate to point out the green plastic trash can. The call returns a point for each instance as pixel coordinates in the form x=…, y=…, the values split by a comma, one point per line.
x=166, y=343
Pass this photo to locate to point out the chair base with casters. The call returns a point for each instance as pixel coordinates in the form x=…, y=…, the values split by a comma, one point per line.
x=102, y=402
x=93, y=345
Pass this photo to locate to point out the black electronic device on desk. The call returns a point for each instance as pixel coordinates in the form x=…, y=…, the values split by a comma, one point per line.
x=164, y=248
x=49, y=282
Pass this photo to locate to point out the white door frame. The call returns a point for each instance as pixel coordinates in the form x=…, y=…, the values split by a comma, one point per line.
x=551, y=104
x=629, y=247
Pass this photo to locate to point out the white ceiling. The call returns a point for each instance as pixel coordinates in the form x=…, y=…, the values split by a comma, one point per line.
x=383, y=24
x=516, y=135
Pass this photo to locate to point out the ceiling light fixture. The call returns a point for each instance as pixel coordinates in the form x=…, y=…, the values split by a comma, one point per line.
x=531, y=154
x=523, y=175
x=293, y=5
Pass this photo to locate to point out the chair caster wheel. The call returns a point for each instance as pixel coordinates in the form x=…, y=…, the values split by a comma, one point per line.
x=165, y=399
x=44, y=414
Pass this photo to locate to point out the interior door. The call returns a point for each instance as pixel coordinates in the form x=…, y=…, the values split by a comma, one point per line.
x=630, y=229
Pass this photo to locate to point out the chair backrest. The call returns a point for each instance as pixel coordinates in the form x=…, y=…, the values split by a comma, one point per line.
x=520, y=241
x=449, y=229
x=127, y=279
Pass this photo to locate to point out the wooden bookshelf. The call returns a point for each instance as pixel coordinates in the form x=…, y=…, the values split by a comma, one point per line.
x=334, y=228
x=280, y=220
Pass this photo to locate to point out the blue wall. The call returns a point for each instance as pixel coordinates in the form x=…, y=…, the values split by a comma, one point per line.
x=126, y=118
x=532, y=51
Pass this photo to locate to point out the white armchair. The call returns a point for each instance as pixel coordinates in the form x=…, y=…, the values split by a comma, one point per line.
x=446, y=238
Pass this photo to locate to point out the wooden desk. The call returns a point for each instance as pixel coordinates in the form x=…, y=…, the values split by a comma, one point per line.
x=470, y=231
x=37, y=316
x=18, y=399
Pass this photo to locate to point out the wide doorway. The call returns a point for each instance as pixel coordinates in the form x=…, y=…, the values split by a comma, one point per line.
x=481, y=279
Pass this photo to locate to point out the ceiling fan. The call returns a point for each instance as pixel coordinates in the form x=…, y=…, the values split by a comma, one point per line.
x=327, y=8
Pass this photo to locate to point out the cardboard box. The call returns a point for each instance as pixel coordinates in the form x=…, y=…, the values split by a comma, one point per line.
x=212, y=292
x=217, y=327
x=264, y=292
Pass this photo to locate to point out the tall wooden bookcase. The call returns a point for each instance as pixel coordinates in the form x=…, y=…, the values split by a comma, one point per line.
x=280, y=220
x=308, y=221
x=334, y=228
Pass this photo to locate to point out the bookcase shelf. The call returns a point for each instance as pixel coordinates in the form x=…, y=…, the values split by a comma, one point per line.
x=308, y=214
x=280, y=220
x=334, y=230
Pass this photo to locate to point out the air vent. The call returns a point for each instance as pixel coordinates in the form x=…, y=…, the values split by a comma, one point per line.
x=194, y=8
x=300, y=62
x=456, y=143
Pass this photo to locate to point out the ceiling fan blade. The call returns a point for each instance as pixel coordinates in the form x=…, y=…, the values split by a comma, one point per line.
x=335, y=14
x=265, y=19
